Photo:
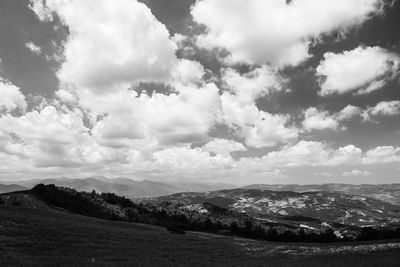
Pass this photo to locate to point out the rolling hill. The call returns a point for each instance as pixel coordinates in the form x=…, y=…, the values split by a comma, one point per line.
x=319, y=208
x=385, y=192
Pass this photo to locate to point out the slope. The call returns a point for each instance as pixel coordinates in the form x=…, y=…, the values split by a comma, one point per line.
x=41, y=238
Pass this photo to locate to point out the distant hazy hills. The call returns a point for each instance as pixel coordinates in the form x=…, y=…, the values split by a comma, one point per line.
x=5, y=188
x=120, y=186
x=384, y=192
x=141, y=189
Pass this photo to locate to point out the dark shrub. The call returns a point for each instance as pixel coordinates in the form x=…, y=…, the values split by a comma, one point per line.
x=175, y=229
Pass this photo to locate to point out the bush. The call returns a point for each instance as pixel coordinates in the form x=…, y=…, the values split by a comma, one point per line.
x=175, y=229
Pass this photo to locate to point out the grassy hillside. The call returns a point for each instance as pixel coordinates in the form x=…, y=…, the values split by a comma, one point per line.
x=32, y=237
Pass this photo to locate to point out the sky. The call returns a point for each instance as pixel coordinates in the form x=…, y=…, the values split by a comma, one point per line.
x=240, y=92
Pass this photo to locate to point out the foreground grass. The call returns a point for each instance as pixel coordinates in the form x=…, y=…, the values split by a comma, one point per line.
x=41, y=238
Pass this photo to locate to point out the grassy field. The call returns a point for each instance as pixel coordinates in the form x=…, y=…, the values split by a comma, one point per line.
x=41, y=238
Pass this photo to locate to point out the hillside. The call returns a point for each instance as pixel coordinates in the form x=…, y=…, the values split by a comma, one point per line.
x=32, y=237
x=385, y=192
x=318, y=207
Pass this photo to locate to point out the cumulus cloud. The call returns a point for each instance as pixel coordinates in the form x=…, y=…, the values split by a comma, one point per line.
x=33, y=47
x=281, y=32
x=111, y=44
x=252, y=85
x=315, y=119
x=383, y=108
x=382, y=154
x=48, y=138
x=177, y=118
x=349, y=112
x=187, y=71
x=190, y=159
x=311, y=153
x=223, y=146
x=40, y=9
x=318, y=119
x=259, y=128
x=362, y=70
x=11, y=97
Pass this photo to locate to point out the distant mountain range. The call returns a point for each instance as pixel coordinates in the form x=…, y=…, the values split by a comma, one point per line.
x=120, y=186
x=144, y=189
x=385, y=192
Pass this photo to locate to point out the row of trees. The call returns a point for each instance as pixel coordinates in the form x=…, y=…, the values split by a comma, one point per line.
x=369, y=234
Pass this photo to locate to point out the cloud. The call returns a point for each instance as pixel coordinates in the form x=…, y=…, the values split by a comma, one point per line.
x=223, y=146
x=111, y=44
x=252, y=85
x=318, y=120
x=48, y=138
x=382, y=154
x=356, y=173
x=383, y=108
x=259, y=128
x=349, y=112
x=158, y=119
x=34, y=48
x=311, y=153
x=110, y=49
x=40, y=9
x=11, y=97
x=362, y=70
x=280, y=32
x=187, y=71
x=190, y=159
